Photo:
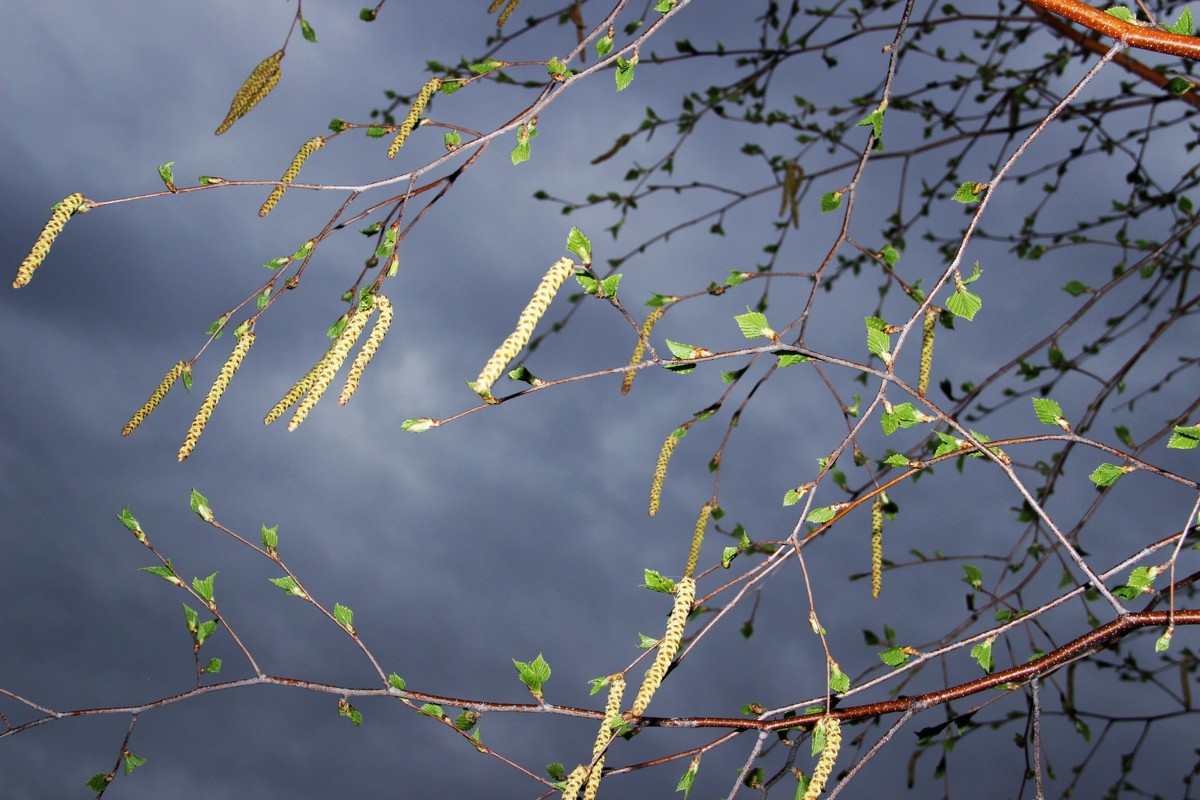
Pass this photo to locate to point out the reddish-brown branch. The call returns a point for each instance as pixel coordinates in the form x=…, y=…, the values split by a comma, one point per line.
x=1133, y=35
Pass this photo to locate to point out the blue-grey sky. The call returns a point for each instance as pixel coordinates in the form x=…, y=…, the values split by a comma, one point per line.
x=516, y=530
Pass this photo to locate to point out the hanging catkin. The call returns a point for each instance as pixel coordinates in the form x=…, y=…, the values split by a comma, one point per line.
x=260, y=83
x=329, y=365
x=311, y=146
x=612, y=717
x=163, y=387
x=685, y=592
x=833, y=743
x=640, y=348
x=876, y=548
x=517, y=340
x=243, y=345
x=368, y=349
x=697, y=538
x=414, y=114
x=927, y=332
x=69, y=205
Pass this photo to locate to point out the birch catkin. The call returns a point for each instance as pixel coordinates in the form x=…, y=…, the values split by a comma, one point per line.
x=685, y=592
x=640, y=348
x=414, y=114
x=507, y=12
x=574, y=782
x=876, y=548
x=833, y=743
x=260, y=83
x=660, y=471
x=927, y=331
x=165, y=386
x=311, y=146
x=243, y=345
x=517, y=340
x=612, y=716
x=697, y=539
x=69, y=205
x=298, y=389
x=368, y=349
x=329, y=365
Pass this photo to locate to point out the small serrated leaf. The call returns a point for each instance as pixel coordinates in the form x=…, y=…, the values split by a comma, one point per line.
x=307, y=31
x=1048, y=412
x=343, y=616
x=754, y=325
x=967, y=193
x=624, y=73
x=964, y=304
x=1185, y=437
x=199, y=504
x=533, y=674
x=655, y=582
x=580, y=245
x=982, y=653
x=1106, y=474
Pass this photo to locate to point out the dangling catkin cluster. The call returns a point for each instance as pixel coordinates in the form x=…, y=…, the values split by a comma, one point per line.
x=327, y=368
x=640, y=348
x=311, y=146
x=685, y=593
x=165, y=386
x=414, y=114
x=833, y=743
x=876, y=548
x=697, y=539
x=927, y=331
x=660, y=469
x=70, y=204
x=517, y=340
x=506, y=13
x=243, y=345
x=298, y=389
x=368, y=349
x=612, y=716
x=260, y=83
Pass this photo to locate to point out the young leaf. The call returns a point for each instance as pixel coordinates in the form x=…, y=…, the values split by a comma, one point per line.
x=533, y=674
x=1183, y=25
x=204, y=587
x=270, y=537
x=289, y=585
x=396, y=682
x=968, y=192
x=788, y=359
x=1107, y=474
x=164, y=573
x=307, y=31
x=1048, y=412
x=199, y=504
x=212, y=667
x=839, y=682
x=604, y=46
x=419, y=425
x=343, y=616
x=754, y=325
x=655, y=582
x=168, y=179
x=580, y=245
x=1185, y=438
x=822, y=515
x=689, y=778
x=129, y=521
x=982, y=653
x=625, y=71
x=894, y=656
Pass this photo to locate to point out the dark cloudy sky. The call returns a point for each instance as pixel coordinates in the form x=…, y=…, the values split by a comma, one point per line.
x=517, y=530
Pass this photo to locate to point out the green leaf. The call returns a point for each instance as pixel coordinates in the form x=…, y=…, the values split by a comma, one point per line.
x=682, y=351
x=973, y=576
x=1122, y=13
x=964, y=304
x=754, y=325
x=376, y=131
x=337, y=125
x=349, y=711
x=894, y=656
x=307, y=31
x=466, y=720
x=276, y=263
x=450, y=87
x=793, y=496
x=339, y=325
x=1107, y=474
x=839, y=682
x=213, y=666
x=625, y=71
x=556, y=67
x=304, y=250
x=289, y=585
x=1185, y=438
x=204, y=587
x=263, y=298
x=896, y=460
x=655, y=582
x=904, y=415
x=1163, y=642
x=186, y=377
x=819, y=516
x=165, y=573
x=689, y=778
x=491, y=65
x=204, y=631
x=646, y=642
x=199, y=504
x=367, y=15
x=1182, y=26
x=396, y=682
x=728, y=555
x=343, y=616
x=1048, y=412
x=831, y=200
x=788, y=359
x=98, y=782
x=419, y=425
x=192, y=618
x=604, y=46
x=874, y=120
x=164, y=172
x=129, y=521
x=1075, y=288
x=662, y=7
x=878, y=342
x=609, y=285
x=520, y=152
x=270, y=536
x=580, y=245
x=533, y=674
x=590, y=285
x=968, y=192
x=982, y=653
x=433, y=710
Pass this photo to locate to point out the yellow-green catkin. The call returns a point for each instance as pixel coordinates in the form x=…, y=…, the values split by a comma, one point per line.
x=685, y=593
x=311, y=146
x=165, y=386
x=927, y=331
x=414, y=114
x=329, y=365
x=574, y=782
x=69, y=205
x=660, y=471
x=243, y=345
x=298, y=389
x=876, y=548
x=368, y=349
x=640, y=348
x=824, y=768
x=260, y=83
x=517, y=340
x=612, y=716
x=507, y=12
x=698, y=539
